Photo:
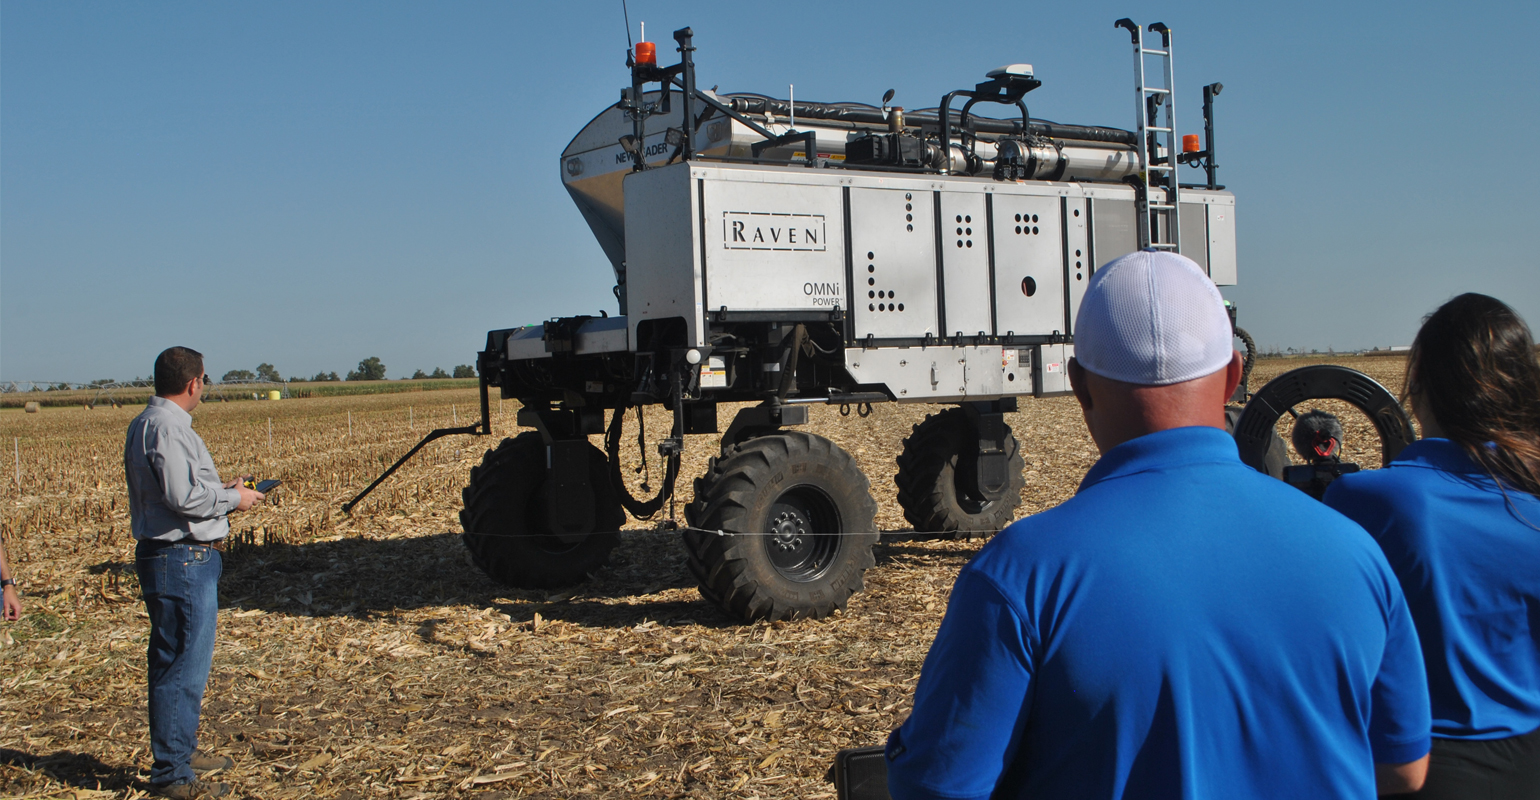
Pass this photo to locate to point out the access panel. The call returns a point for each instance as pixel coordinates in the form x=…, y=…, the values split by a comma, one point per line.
x=772, y=246
x=893, y=256
x=1077, y=250
x=1029, y=266
x=965, y=264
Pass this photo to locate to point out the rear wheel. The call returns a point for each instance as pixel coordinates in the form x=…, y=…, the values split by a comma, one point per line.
x=782, y=527
x=505, y=519
x=937, y=483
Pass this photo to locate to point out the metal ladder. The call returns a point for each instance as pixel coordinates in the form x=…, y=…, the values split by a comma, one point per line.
x=1157, y=196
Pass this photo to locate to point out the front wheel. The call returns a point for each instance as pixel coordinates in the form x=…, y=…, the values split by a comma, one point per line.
x=782, y=527
x=506, y=530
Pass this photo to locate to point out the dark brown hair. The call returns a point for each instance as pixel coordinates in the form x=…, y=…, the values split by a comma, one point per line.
x=1473, y=365
x=174, y=367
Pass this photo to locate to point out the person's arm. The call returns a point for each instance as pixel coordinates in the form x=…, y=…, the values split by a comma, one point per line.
x=970, y=704
x=1401, y=728
x=249, y=497
x=1400, y=778
x=12, y=607
x=175, y=456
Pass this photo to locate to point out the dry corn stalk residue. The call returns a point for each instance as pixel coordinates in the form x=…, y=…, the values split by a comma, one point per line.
x=361, y=656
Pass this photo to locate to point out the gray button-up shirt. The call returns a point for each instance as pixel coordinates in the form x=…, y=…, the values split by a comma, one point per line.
x=174, y=492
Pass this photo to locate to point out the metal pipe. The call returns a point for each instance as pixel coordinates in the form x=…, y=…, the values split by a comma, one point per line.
x=861, y=397
x=684, y=36
x=867, y=115
x=1210, y=165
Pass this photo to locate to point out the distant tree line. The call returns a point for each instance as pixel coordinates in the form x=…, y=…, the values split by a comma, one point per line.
x=370, y=369
x=462, y=371
x=265, y=372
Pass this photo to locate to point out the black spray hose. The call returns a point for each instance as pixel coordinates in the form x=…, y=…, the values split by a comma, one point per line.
x=637, y=508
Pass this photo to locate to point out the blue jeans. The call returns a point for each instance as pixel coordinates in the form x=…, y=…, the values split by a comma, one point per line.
x=180, y=582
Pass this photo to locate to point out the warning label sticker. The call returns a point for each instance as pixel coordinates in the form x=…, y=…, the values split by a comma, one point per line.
x=713, y=373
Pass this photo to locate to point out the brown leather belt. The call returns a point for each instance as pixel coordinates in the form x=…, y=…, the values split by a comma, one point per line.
x=220, y=544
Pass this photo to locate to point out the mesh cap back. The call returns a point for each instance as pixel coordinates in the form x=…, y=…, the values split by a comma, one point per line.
x=1152, y=318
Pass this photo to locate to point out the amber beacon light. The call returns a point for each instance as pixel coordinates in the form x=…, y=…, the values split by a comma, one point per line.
x=647, y=53
x=1189, y=142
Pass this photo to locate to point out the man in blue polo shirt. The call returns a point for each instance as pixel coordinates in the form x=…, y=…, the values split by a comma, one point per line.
x=1184, y=626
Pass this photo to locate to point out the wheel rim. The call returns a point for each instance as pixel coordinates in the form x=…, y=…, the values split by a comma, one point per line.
x=802, y=534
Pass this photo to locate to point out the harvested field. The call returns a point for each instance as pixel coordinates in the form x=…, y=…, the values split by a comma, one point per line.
x=362, y=657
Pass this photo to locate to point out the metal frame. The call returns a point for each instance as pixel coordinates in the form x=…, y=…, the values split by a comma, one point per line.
x=1006, y=90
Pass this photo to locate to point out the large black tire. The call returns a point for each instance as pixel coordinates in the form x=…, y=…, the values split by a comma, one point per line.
x=782, y=527
x=505, y=519
x=936, y=484
x=1277, y=451
x=1250, y=358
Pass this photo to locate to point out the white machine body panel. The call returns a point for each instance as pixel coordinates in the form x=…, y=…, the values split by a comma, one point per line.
x=1221, y=239
x=965, y=264
x=1029, y=265
x=940, y=374
x=893, y=235
x=663, y=253
x=770, y=245
x=924, y=307
x=1077, y=249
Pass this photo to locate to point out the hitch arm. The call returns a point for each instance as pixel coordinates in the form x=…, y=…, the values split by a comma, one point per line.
x=481, y=428
x=438, y=434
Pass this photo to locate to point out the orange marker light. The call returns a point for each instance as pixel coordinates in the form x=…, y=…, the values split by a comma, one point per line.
x=1189, y=142
x=647, y=53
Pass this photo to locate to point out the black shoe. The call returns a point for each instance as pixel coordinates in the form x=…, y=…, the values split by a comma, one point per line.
x=204, y=762
x=192, y=790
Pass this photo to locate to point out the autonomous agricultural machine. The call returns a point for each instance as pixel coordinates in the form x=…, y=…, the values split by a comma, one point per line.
x=783, y=254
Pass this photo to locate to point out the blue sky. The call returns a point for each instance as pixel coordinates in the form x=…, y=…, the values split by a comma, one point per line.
x=311, y=183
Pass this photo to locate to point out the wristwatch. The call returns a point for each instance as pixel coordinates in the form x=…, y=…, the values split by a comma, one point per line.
x=7, y=582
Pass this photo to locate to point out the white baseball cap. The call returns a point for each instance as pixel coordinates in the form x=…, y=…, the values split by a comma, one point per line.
x=1152, y=318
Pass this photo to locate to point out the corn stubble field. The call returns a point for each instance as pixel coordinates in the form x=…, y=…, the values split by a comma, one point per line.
x=362, y=657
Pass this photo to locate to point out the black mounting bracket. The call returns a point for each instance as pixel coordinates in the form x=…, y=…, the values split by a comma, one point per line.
x=990, y=472
x=809, y=141
x=764, y=418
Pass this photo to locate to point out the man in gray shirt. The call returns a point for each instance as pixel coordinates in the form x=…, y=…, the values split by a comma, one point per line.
x=177, y=506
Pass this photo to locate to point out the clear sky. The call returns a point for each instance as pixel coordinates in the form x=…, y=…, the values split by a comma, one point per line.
x=311, y=183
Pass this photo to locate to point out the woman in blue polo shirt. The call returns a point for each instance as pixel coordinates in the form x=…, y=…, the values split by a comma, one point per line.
x=1458, y=516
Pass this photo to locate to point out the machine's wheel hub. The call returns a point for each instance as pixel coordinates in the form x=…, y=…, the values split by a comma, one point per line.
x=787, y=530
x=799, y=541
